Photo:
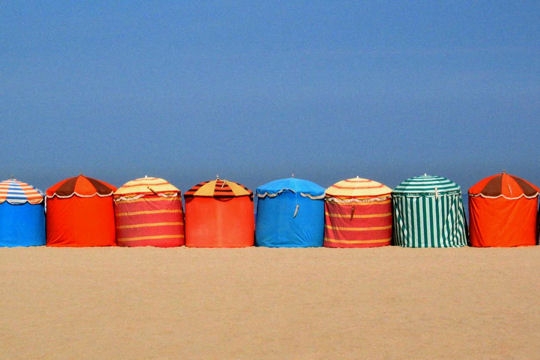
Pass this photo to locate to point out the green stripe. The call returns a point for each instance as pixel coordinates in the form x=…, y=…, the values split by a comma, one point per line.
x=429, y=221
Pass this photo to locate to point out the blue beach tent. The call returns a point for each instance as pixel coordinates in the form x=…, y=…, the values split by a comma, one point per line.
x=22, y=215
x=290, y=213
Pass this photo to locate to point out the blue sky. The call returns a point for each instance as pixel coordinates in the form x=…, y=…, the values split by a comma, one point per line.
x=256, y=91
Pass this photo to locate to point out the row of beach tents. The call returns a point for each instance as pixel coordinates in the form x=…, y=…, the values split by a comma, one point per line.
x=422, y=211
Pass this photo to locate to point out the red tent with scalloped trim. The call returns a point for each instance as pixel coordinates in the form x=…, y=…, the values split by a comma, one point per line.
x=80, y=213
x=503, y=212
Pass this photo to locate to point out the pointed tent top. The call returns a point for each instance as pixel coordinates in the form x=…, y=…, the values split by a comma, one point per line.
x=14, y=192
x=358, y=187
x=295, y=185
x=81, y=186
x=218, y=188
x=145, y=186
x=504, y=185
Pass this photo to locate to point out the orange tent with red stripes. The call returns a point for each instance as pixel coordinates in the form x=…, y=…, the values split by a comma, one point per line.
x=503, y=212
x=80, y=213
x=358, y=213
x=148, y=212
x=219, y=213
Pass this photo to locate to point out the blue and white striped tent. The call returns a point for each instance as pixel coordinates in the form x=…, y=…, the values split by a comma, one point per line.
x=429, y=212
x=22, y=215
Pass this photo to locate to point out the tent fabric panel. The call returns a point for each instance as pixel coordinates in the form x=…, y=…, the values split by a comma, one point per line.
x=218, y=188
x=146, y=185
x=289, y=220
x=429, y=221
x=22, y=225
x=81, y=186
x=358, y=226
x=357, y=187
x=306, y=188
x=426, y=184
x=504, y=185
x=149, y=221
x=18, y=192
x=80, y=222
x=499, y=222
x=219, y=222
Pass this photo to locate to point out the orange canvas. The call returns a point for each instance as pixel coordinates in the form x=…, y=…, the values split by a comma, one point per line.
x=219, y=222
x=503, y=212
x=80, y=213
x=79, y=221
x=502, y=223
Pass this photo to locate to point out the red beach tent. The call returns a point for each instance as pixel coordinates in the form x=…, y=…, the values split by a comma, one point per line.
x=503, y=212
x=148, y=212
x=358, y=213
x=80, y=213
x=219, y=213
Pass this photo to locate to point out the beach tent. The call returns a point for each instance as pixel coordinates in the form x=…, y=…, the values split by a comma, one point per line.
x=219, y=214
x=503, y=211
x=22, y=214
x=148, y=212
x=358, y=213
x=80, y=213
x=290, y=213
x=429, y=212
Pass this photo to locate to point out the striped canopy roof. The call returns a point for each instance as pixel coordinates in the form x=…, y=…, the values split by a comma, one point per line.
x=504, y=185
x=426, y=185
x=81, y=186
x=218, y=188
x=146, y=185
x=18, y=192
x=300, y=186
x=357, y=187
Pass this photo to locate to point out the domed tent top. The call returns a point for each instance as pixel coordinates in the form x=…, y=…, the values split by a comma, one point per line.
x=504, y=185
x=302, y=187
x=80, y=186
x=17, y=192
x=147, y=185
x=358, y=188
x=218, y=188
x=426, y=185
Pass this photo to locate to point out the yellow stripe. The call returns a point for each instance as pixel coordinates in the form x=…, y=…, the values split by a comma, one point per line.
x=366, y=216
x=148, y=199
x=150, y=237
x=136, y=226
x=375, y=241
x=146, y=212
x=358, y=201
x=373, y=228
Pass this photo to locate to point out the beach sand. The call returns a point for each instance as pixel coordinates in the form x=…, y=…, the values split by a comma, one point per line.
x=261, y=303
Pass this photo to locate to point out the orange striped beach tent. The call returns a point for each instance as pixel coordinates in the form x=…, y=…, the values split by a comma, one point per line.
x=358, y=214
x=80, y=213
x=503, y=212
x=148, y=212
x=219, y=214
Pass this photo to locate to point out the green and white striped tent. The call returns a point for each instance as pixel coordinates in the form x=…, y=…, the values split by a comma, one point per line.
x=429, y=212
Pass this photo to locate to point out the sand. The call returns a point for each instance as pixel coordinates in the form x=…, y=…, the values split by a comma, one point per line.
x=261, y=303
